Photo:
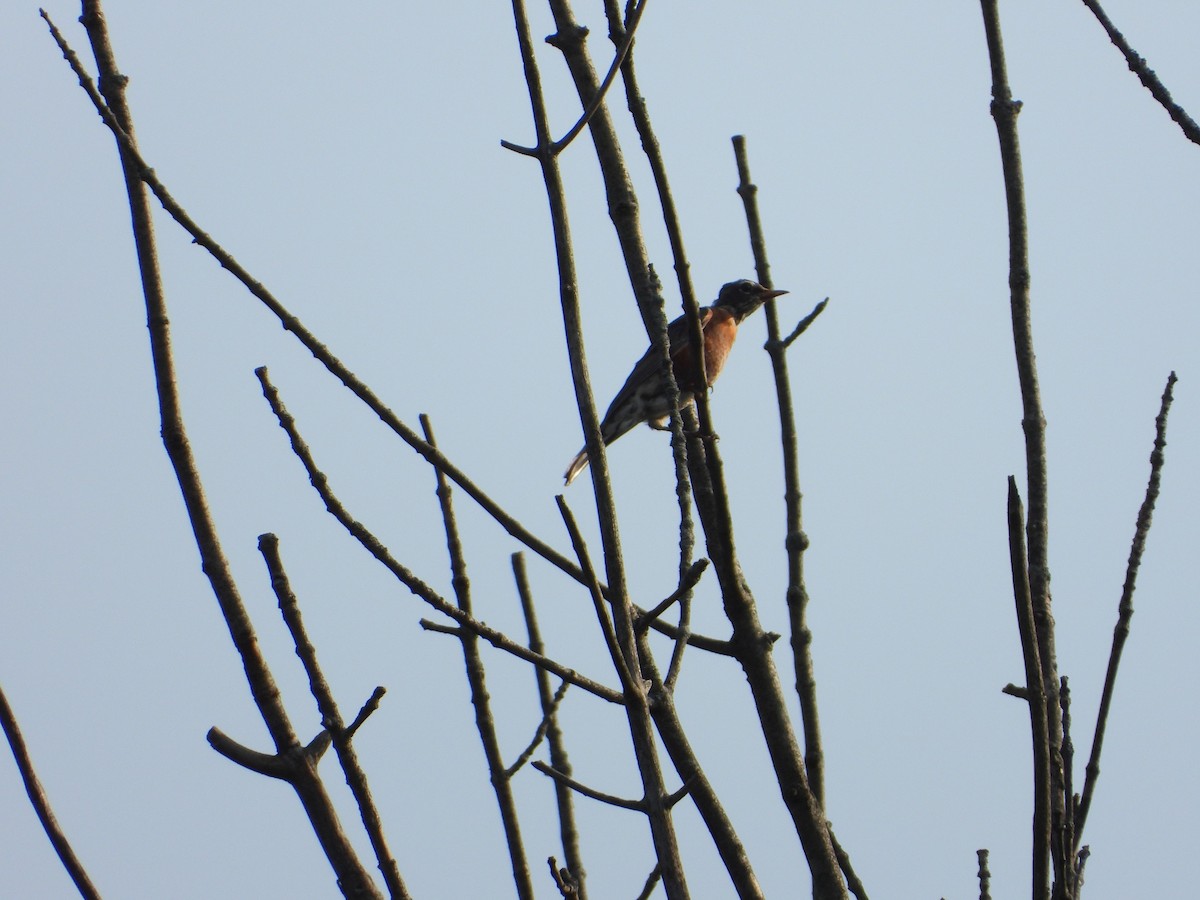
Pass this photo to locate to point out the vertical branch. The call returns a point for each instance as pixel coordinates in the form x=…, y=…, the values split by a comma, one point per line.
x=636, y=102
x=352, y=877
x=637, y=705
x=1034, y=693
x=485, y=723
x=559, y=758
x=985, y=877
x=41, y=803
x=795, y=541
x=1125, y=607
x=1004, y=111
x=707, y=478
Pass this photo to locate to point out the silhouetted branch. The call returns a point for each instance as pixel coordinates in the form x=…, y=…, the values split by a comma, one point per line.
x=652, y=881
x=564, y=879
x=331, y=363
x=331, y=717
x=1125, y=607
x=853, y=882
x=1034, y=693
x=352, y=877
x=485, y=722
x=559, y=758
x=1004, y=111
x=795, y=540
x=1146, y=75
x=569, y=39
x=801, y=326
x=985, y=877
x=580, y=787
x=606, y=625
x=405, y=576
x=539, y=733
x=41, y=803
x=687, y=584
x=365, y=712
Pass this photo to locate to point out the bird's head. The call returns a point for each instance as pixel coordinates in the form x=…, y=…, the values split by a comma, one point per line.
x=744, y=297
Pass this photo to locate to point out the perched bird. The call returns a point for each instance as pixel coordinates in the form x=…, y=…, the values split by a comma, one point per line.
x=643, y=398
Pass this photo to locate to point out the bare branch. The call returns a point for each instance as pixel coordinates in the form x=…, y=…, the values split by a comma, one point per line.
x=985, y=877
x=801, y=326
x=1146, y=75
x=368, y=708
x=610, y=799
x=406, y=577
x=485, y=722
x=795, y=540
x=606, y=626
x=652, y=881
x=352, y=877
x=1125, y=607
x=331, y=717
x=1034, y=693
x=559, y=758
x=1004, y=111
x=41, y=803
x=540, y=732
x=853, y=882
x=687, y=584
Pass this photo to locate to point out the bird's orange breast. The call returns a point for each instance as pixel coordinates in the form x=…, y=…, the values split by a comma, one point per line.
x=719, y=333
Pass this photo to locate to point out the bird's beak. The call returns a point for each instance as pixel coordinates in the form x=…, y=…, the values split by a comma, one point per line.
x=771, y=295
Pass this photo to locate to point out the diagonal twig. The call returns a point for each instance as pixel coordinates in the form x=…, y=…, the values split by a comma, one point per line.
x=331, y=717
x=322, y=353
x=1125, y=607
x=41, y=803
x=375, y=547
x=1146, y=75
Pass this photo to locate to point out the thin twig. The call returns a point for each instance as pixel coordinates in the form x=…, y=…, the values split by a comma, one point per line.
x=331, y=717
x=569, y=39
x=485, y=722
x=853, y=882
x=606, y=625
x=985, y=877
x=332, y=364
x=619, y=57
x=1125, y=607
x=801, y=326
x=1004, y=111
x=540, y=732
x=559, y=758
x=1067, y=827
x=610, y=799
x=686, y=584
x=652, y=881
x=41, y=803
x=366, y=711
x=406, y=577
x=1146, y=75
x=1034, y=695
x=795, y=539
x=351, y=874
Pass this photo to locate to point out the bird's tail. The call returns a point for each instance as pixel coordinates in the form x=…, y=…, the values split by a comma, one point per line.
x=578, y=464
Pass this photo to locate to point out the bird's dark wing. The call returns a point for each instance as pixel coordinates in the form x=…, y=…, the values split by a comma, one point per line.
x=646, y=368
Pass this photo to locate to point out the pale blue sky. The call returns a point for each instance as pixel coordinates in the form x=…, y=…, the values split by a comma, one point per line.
x=350, y=158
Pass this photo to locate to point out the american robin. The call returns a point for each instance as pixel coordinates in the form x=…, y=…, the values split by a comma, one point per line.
x=643, y=397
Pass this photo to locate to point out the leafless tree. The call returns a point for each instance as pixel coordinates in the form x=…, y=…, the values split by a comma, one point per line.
x=645, y=672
